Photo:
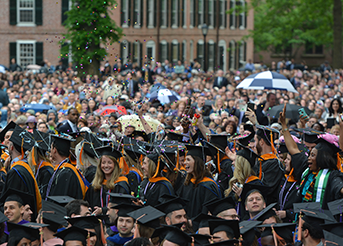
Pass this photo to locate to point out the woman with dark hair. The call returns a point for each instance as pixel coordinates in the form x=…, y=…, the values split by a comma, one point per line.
x=154, y=186
x=230, y=128
x=199, y=187
x=335, y=109
x=92, y=106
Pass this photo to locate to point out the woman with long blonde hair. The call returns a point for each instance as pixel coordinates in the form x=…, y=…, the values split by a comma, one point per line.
x=86, y=160
x=108, y=178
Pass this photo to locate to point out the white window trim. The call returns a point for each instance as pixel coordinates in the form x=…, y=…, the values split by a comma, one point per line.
x=184, y=53
x=191, y=14
x=233, y=25
x=26, y=24
x=241, y=54
x=137, y=5
x=175, y=43
x=175, y=25
x=19, y=42
x=126, y=10
x=164, y=15
x=151, y=44
x=151, y=14
x=185, y=14
x=164, y=42
x=233, y=55
x=242, y=15
x=138, y=48
x=210, y=56
x=191, y=48
x=202, y=14
x=125, y=54
x=210, y=26
x=222, y=43
x=223, y=13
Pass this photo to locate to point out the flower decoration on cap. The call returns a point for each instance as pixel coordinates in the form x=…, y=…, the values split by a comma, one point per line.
x=333, y=139
x=282, y=139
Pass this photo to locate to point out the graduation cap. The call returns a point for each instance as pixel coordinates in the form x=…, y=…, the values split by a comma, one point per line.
x=231, y=242
x=328, y=147
x=85, y=222
x=60, y=200
x=200, y=239
x=219, y=141
x=134, y=148
x=249, y=127
x=306, y=205
x=30, y=231
x=217, y=206
x=252, y=188
x=108, y=150
x=203, y=219
x=136, y=134
x=173, y=204
x=314, y=217
x=175, y=235
x=125, y=209
x=35, y=234
x=53, y=214
x=118, y=198
x=229, y=226
x=22, y=139
x=74, y=233
x=331, y=239
x=62, y=142
x=3, y=218
x=334, y=227
x=310, y=135
x=245, y=139
x=266, y=133
x=9, y=127
x=13, y=195
x=200, y=151
x=248, y=154
x=247, y=229
x=178, y=137
x=42, y=140
x=147, y=216
x=284, y=230
x=266, y=213
x=336, y=207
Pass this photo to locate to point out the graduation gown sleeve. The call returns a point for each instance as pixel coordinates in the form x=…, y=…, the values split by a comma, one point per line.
x=333, y=188
x=152, y=192
x=299, y=163
x=43, y=179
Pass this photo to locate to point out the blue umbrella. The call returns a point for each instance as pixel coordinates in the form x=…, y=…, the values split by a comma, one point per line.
x=36, y=107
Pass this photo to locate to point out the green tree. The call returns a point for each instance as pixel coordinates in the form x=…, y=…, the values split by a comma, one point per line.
x=89, y=29
x=284, y=23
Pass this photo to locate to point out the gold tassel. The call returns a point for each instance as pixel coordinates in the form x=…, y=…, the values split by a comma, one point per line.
x=103, y=239
x=218, y=162
x=158, y=167
x=300, y=227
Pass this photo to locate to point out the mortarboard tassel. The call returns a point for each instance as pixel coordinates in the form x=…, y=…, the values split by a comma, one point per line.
x=218, y=162
x=103, y=239
x=158, y=167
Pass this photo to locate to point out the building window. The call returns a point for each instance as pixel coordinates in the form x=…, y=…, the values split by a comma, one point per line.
x=151, y=50
x=124, y=51
x=222, y=14
x=174, y=14
x=233, y=15
x=191, y=49
x=137, y=52
x=26, y=11
x=200, y=12
x=311, y=49
x=164, y=50
x=125, y=13
x=200, y=52
x=184, y=13
x=232, y=54
x=26, y=53
x=211, y=13
x=164, y=12
x=184, y=50
x=242, y=54
x=151, y=13
x=175, y=52
x=222, y=55
x=242, y=16
x=137, y=13
x=284, y=50
x=191, y=14
x=211, y=55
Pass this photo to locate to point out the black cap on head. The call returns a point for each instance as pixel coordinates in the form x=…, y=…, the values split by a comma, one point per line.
x=53, y=213
x=315, y=217
x=331, y=239
x=310, y=135
x=217, y=206
x=175, y=235
x=162, y=231
x=118, y=198
x=60, y=200
x=282, y=148
x=17, y=196
x=199, y=151
x=334, y=227
x=219, y=141
x=284, y=230
x=203, y=219
x=250, y=128
x=125, y=209
x=9, y=127
x=147, y=216
x=306, y=205
x=3, y=218
x=229, y=226
x=35, y=234
x=109, y=151
x=245, y=139
x=252, y=188
x=142, y=134
x=231, y=242
x=264, y=132
x=74, y=233
x=330, y=148
x=336, y=207
x=85, y=222
x=247, y=229
x=266, y=213
x=22, y=139
x=200, y=239
x=62, y=142
x=178, y=137
x=173, y=204
x=24, y=230
x=248, y=154
x=42, y=140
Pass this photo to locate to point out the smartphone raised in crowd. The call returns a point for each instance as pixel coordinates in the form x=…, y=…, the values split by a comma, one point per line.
x=302, y=112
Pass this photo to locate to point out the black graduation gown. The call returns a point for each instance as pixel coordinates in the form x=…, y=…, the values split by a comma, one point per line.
x=43, y=179
x=299, y=163
x=290, y=190
x=134, y=180
x=93, y=196
x=198, y=195
x=151, y=192
x=90, y=173
x=19, y=178
x=66, y=183
x=272, y=173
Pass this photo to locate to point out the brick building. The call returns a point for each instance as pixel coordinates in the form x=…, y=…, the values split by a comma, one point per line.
x=157, y=29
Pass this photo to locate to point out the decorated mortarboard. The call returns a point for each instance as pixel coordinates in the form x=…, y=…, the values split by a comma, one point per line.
x=229, y=226
x=266, y=213
x=17, y=196
x=90, y=143
x=244, y=139
x=60, y=200
x=75, y=233
x=118, y=198
x=305, y=205
x=231, y=242
x=219, y=141
x=247, y=230
x=109, y=151
x=178, y=137
x=217, y=206
x=248, y=154
x=251, y=188
x=336, y=207
x=334, y=227
x=284, y=230
x=135, y=148
x=22, y=139
x=125, y=209
x=42, y=139
x=203, y=219
x=10, y=126
x=147, y=216
x=172, y=204
x=331, y=239
x=53, y=213
x=24, y=230
x=328, y=143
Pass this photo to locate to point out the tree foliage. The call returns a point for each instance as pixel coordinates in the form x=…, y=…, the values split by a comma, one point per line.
x=89, y=29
